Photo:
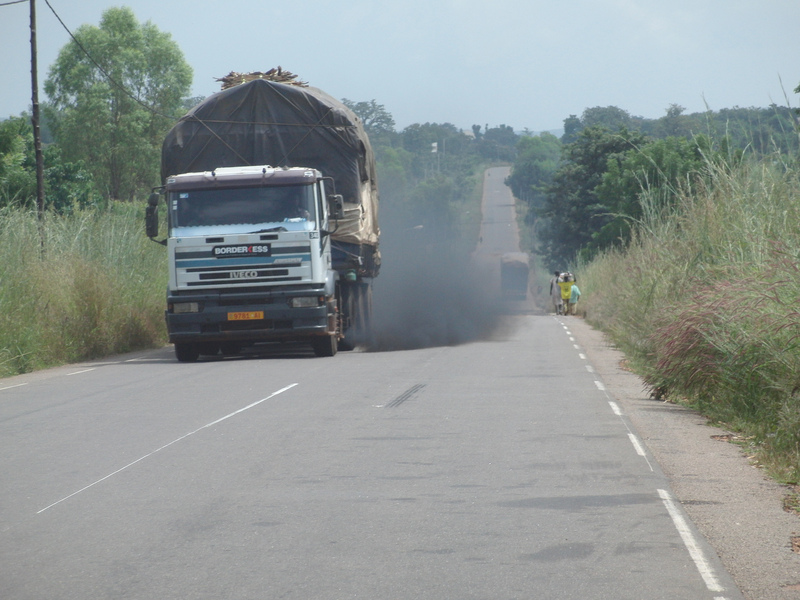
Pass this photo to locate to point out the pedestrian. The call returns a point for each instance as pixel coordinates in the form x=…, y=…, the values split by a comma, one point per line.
x=555, y=293
x=574, y=296
x=565, y=285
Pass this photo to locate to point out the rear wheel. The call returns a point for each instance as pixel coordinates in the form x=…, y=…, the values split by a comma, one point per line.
x=348, y=293
x=187, y=352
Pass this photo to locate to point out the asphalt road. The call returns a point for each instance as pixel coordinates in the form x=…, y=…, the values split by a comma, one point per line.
x=502, y=468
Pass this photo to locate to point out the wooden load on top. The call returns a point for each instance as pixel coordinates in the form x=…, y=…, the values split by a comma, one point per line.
x=278, y=75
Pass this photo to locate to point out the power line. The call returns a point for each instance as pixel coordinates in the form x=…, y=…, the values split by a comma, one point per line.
x=129, y=94
x=14, y=2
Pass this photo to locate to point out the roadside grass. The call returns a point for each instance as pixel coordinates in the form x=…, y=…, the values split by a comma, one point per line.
x=88, y=284
x=705, y=303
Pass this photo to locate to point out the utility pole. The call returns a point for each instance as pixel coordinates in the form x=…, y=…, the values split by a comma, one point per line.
x=37, y=138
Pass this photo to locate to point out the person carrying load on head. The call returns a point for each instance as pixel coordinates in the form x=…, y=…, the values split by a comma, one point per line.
x=555, y=293
x=565, y=282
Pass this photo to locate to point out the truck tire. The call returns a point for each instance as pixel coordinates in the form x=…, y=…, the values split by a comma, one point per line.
x=325, y=346
x=187, y=352
x=347, y=303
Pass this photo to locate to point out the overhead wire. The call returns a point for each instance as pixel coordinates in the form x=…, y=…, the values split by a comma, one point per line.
x=131, y=95
x=102, y=70
x=125, y=90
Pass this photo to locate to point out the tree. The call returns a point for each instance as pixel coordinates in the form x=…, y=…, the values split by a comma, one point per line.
x=572, y=210
x=17, y=179
x=662, y=169
x=610, y=117
x=375, y=118
x=67, y=184
x=112, y=108
x=572, y=127
x=498, y=143
x=532, y=171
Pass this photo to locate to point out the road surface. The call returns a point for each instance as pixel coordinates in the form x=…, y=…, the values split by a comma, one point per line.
x=496, y=469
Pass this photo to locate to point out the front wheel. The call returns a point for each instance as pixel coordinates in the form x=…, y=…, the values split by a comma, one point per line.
x=187, y=352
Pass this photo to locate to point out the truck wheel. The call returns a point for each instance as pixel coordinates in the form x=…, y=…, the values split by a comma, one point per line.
x=348, y=310
x=187, y=352
x=325, y=346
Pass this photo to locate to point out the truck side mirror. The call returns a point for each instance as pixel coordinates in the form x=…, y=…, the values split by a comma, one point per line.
x=336, y=206
x=151, y=216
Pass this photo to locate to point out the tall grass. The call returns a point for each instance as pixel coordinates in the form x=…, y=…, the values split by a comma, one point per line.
x=706, y=303
x=85, y=285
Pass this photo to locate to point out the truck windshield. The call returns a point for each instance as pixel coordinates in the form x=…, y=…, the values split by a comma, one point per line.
x=255, y=207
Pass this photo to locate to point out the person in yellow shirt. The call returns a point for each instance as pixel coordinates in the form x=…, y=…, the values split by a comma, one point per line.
x=565, y=282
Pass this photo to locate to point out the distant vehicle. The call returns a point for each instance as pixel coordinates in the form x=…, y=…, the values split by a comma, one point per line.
x=514, y=276
x=272, y=205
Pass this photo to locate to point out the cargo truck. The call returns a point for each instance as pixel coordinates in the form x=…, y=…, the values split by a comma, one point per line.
x=514, y=276
x=272, y=222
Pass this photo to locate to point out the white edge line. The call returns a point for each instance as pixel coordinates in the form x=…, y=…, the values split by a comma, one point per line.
x=175, y=441
x=706, y=572
x=600, y=385
x=79, y=372
x=615, y=408
x=12, y=386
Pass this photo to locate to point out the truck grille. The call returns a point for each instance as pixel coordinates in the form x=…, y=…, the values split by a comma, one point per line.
x=195, y=269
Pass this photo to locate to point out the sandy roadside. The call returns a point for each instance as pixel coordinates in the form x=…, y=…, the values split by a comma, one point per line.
x=734, y=504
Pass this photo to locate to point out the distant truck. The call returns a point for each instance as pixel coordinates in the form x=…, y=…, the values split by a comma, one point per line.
x=514, y=275
x=272, y=213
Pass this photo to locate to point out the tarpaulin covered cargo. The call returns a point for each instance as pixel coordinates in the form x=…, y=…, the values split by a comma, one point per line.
x=267, y=123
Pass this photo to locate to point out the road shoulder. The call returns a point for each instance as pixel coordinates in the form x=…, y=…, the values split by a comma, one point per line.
x=734, y=504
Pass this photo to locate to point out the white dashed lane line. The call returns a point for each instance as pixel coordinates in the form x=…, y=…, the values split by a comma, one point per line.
x=706, y=571
x=175, y=441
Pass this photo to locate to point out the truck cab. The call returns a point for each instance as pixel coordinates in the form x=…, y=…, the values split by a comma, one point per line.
x=249, y=260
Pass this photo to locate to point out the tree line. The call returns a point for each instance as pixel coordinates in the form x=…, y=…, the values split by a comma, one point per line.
x=584, y=191
x=116, y=89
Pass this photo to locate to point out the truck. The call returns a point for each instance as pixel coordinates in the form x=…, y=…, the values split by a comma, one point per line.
x=514, y=276
x=272, y=222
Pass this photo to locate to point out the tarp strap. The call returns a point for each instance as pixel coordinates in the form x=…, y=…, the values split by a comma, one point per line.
x=226, y=144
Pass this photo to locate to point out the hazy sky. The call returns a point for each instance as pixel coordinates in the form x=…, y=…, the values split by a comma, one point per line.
x=523, y=63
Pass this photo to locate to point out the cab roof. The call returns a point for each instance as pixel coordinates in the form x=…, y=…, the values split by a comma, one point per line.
x=246, y=176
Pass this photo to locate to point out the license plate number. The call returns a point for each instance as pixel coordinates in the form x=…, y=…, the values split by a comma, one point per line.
x=246, y=316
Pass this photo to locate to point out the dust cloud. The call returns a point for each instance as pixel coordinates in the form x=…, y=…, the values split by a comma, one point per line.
x=428, y=294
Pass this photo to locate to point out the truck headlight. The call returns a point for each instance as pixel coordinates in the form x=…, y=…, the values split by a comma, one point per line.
x=180, y=308
x=306, y=301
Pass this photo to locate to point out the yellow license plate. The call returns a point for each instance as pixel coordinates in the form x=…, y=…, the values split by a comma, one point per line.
x=246, y=316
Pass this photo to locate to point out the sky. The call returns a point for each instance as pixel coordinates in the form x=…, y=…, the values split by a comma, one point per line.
x=528, y=64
